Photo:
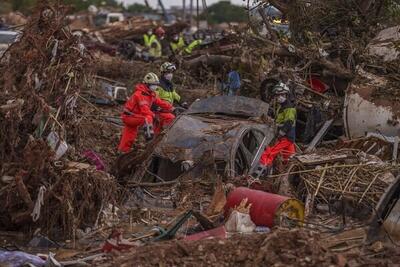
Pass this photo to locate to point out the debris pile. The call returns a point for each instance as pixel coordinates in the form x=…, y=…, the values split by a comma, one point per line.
x=44, y=73
x=345, y=176
x=60, y=105
x=282, y=248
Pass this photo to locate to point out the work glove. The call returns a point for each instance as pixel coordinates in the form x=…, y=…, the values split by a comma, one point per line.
x=148, y=132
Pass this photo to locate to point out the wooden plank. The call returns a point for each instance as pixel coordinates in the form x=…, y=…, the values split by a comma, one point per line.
x=320, y=135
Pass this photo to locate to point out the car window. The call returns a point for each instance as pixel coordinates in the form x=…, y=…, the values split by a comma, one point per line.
x=252, y=140
x=247, y=150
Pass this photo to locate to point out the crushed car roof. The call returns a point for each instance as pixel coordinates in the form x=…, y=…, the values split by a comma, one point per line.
x=230, y=105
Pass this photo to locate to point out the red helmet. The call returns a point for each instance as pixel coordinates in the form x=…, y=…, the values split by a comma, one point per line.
x=160, y=31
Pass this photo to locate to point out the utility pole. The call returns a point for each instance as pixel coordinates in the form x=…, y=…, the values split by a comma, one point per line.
x=184, y=10
x=197, y=15
x=205, y=12
x=191, y=13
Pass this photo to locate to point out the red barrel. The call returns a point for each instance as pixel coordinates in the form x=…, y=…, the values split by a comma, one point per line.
x=266, y=208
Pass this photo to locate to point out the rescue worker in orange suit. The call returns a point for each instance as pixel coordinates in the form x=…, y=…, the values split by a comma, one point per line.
x=286, y=122
x=142, y=110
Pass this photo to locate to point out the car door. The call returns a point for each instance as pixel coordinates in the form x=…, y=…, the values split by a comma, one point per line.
x=247, y=148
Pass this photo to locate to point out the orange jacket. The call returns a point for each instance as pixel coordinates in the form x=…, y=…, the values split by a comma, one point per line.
x=142, y=100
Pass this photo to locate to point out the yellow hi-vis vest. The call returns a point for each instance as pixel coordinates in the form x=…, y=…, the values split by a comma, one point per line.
x=148, y=40
x=178, y=45
x=155, y=48
x=192, y=46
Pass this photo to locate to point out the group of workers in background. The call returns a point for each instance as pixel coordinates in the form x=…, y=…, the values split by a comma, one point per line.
x=151, y=108
x=157, y=45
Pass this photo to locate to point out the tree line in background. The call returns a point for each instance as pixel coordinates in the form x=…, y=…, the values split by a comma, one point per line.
x=222, y=11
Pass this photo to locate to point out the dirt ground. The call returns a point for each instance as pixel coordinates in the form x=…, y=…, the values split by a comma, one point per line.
x=297, y=247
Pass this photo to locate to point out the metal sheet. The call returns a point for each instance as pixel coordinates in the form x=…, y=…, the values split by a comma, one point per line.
x=230, y=105
x=383, y=45
x=392, y=222
x=362, y=116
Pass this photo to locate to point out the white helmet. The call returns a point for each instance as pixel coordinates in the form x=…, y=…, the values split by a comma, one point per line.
x=281, y=88
x=167, y=67
x=151, y=78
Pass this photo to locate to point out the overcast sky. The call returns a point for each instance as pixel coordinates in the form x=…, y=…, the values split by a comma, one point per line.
x=169, y=3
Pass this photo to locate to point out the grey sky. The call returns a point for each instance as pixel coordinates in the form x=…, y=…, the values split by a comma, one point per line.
x=168, y=3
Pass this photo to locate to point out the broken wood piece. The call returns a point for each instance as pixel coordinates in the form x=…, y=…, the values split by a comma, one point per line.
x=321, y=180
x=14, y=104
x=203, y=220
x=152, y=184
x=395, y=149
x=78, y=165
x=23, y=191
x=320, y=135
x=218, y=200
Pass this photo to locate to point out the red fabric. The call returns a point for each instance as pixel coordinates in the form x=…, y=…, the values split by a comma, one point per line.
x=140, y=105
x=164, y=119
x=284, y=146
x=141, y=101
x=129, y=133
x=317, y=85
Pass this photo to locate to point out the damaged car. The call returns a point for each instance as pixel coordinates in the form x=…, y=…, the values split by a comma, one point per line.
x=228, y=133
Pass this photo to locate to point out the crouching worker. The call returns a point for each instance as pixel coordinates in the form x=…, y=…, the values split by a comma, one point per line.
x=167, y=91
x=138, y=113
x=286, y=122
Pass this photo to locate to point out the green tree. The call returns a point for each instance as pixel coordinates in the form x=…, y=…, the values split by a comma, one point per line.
x=5, y=7
x=224, y=11
x=22, y=5
x=139, y=8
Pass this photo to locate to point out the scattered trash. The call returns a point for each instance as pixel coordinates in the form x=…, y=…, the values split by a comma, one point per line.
x=219, y=232
x=40, y=241
x=19, y=258
x=239, y=220
x=94, y=159
x=116, y=242
x=60, y=147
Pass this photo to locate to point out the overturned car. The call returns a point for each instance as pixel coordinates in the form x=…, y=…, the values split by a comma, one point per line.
x=224, y=132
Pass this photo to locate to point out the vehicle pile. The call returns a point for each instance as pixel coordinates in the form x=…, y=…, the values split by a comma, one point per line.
x=187, y=196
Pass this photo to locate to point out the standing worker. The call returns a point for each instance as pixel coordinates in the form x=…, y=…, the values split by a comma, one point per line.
x=286, y=122
x=232, y=86
x=148, y=38
x=138, y=112
x=166, y=91
x=155, y=50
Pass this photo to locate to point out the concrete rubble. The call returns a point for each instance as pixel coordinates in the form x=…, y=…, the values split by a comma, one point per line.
x=188, y=197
